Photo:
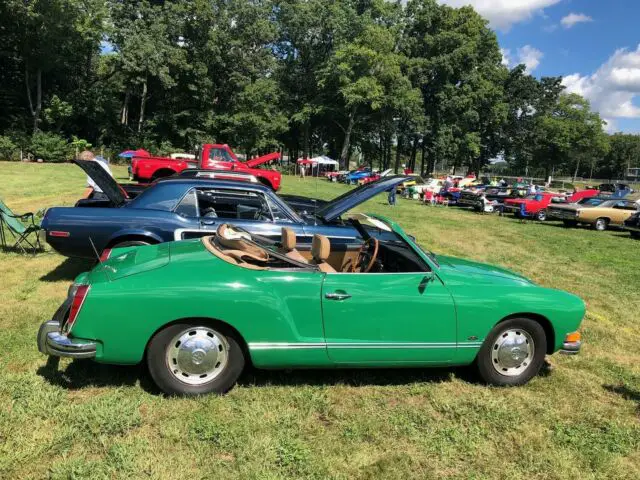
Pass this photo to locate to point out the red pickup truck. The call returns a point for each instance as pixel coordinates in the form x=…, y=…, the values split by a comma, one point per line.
x=211, y=157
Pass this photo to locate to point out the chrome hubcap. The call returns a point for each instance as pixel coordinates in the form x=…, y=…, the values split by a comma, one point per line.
x=512, y=352
x=197, y=355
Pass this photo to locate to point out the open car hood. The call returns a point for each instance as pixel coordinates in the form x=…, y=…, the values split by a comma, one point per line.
x=351, y=199
x=105, y=181
x=254, y=162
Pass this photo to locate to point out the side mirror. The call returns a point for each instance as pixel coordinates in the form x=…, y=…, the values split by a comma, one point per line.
x=426, y=280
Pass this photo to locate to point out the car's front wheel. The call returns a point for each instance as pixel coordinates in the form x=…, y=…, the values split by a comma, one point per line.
x=194, y=359
x=512, y=353
x=541, y=215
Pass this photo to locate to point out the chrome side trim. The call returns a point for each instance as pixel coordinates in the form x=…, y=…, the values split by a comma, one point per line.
x=359, y=345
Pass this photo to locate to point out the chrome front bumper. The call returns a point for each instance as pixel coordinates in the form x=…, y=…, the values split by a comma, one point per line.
x=55, y=343
x=571, y=348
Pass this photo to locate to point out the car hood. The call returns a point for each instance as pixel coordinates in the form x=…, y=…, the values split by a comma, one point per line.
x=339, y=205
x=470, y=268
x=107, y=184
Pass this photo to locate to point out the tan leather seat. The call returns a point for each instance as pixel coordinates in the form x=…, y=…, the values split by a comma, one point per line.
x=320, y=249
x=288, y=241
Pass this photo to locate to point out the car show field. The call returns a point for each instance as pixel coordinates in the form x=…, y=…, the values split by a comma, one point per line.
x=580, y=418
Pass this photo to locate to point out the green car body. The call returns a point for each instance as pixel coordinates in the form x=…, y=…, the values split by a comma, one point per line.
x=283, y=320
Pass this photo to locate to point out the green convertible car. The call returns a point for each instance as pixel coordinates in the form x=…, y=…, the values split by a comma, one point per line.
x=198, y=310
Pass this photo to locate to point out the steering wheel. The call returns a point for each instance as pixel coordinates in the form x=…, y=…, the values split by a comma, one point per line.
x=366, y=256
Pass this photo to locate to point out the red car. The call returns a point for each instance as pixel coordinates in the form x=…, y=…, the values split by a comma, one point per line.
x=534, y=205
x=211, y=157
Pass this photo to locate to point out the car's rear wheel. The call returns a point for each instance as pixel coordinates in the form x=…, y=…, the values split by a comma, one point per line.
x=601, y=224
x=512, y=353
x=570, y=223
x=195, y=359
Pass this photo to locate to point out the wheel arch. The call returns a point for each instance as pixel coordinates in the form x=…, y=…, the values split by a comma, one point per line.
x=549, y=331
x=266, y=182
x=163, y=172
x=134, y=236
x=212, y=322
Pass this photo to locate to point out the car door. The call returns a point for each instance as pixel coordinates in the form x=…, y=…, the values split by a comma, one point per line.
x=388, y=318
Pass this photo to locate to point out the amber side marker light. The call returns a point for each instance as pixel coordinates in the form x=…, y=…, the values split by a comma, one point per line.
x=572, y=337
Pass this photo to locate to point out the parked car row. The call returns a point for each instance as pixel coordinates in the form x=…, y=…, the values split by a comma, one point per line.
x=283, y=282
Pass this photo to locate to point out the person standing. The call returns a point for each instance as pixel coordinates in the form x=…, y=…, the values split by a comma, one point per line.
x=93, y=190
x=392, y=197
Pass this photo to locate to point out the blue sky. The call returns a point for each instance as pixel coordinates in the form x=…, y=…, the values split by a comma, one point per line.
x=593, y=44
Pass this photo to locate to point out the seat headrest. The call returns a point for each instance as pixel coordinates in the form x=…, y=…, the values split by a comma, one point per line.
x=320, y=247
x=288, y=239
x=236, y=240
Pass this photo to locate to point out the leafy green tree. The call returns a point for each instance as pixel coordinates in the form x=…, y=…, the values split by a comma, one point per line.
x=50, y=147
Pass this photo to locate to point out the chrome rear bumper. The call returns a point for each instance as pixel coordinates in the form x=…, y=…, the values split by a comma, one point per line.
x=52, y=342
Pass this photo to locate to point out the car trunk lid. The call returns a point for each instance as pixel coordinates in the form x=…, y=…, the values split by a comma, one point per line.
x=101, y=177
x=135, y=260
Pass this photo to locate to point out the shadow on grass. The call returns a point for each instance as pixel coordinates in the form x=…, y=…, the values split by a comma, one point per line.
x=626, y=393
x=69, y=269
x=354, y=377
x=81, y=374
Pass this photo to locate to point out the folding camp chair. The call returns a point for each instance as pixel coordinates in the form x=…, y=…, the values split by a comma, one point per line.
x=21, y=227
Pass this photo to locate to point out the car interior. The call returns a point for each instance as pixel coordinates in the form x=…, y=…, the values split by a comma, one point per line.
x=213, y=203
x=367, y=255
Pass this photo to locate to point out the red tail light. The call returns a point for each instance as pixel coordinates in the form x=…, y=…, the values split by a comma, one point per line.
x=106, y=253
x=76, y=305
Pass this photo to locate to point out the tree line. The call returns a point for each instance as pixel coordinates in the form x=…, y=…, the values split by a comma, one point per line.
x=387, y=83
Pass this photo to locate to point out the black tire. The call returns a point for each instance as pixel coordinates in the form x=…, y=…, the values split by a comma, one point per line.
x=570, y=223
x=635, y=235
x=541, y=215
x=485, y=360
x=601, y=224
x=130, y=243
x=167, y=380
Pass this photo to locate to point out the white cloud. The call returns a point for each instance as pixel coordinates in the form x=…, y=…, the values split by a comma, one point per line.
x=506, y=56
x=613, y=87
x=573, y=18
x=530, y=56
x=502, y=14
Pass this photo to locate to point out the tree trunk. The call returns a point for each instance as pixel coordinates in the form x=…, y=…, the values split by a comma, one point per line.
x=35, y=110
x=344, y=154
x=305, y=146
x=398, y=149
x=423, y=151
x=414, y=153
x=124, y=114
x=575, y=173
x=143, y=103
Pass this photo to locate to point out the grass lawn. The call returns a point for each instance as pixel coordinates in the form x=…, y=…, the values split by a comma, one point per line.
x=86, y=420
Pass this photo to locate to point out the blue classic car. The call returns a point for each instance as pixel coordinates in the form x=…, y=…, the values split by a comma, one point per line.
x=355, y=175
x=179, y=208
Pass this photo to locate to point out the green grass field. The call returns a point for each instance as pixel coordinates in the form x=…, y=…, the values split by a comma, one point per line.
x=85, y=420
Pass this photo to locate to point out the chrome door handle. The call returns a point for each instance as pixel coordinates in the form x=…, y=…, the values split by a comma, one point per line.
x=336, y=296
